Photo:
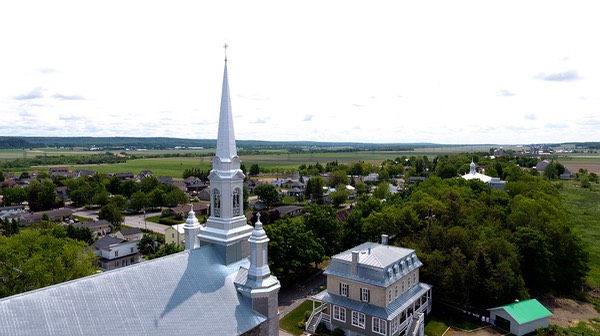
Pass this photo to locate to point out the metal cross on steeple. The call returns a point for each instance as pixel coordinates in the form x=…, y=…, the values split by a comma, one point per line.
x=225, y=47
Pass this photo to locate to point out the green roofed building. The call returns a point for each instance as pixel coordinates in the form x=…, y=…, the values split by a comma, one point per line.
x=520, y=317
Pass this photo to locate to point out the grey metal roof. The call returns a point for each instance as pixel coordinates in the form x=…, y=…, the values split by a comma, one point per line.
x=392, y=310
x=375, y=263
x=181, y=294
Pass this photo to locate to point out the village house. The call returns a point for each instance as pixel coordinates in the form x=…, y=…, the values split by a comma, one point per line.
x=373, y=289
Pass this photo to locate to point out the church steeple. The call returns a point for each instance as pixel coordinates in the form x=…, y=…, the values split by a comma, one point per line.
x=226, y=226
x=472, y=167
x=226, y=149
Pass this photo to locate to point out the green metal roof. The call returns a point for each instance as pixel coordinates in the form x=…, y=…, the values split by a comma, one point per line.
x=526, y=311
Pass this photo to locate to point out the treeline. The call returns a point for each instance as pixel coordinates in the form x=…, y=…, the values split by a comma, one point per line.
x=62, y=160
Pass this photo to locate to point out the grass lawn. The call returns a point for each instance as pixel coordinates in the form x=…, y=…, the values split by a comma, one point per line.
x=290, y=321
x=434, y=326
x=584, y=207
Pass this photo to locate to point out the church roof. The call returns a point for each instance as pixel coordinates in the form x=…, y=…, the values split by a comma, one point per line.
x=190, y=292
x=478, y=176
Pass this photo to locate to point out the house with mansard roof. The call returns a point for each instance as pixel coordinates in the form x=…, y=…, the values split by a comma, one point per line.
x=373, y=289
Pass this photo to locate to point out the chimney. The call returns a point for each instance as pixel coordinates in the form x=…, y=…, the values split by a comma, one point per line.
x=355, y=255
x=384, y=239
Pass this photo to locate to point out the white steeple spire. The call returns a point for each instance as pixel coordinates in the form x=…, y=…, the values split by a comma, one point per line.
x=226, y=148
x=472, y=167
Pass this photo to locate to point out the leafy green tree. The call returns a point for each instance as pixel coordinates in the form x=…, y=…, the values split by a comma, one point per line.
x=314, y=188
x=42, y=195
x=14, y=195
x=337, y=178
x=80, y=233
x=149, y=183
x=120, y=201
x=267, y=193
x=322, y=221
x=138, y=201
x=9, y=227
x=33, y=259
x=254, y=169
x=338, y=197
x=113, y=215
x=382, y=191
x=174, y=198
x=292, y=249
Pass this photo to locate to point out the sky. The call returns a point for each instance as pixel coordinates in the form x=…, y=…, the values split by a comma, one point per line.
x=449, y=72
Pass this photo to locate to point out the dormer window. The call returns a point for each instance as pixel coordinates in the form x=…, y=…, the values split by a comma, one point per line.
x=390, y=273
x=396, y=269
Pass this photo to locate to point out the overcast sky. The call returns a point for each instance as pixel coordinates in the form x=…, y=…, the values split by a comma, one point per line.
x=502, y=72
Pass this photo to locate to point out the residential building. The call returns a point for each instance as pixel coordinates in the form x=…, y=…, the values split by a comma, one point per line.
x=373, y=289
x=520, y=317
x=175, y=234
x=98, y=228
x=115, y=251
x=220, y=285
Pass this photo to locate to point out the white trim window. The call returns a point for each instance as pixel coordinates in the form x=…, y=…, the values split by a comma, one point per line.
x=379, y=326
x=358, y=319
x=343, y=289
x=339, y=313
x=396, y=292
x=365, y=295
x=390, y=295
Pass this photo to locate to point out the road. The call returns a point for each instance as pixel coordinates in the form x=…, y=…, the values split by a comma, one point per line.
x=131, y=221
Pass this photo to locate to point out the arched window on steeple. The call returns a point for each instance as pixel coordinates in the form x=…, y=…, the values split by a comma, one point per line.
x=237, y=195
x=216, y=203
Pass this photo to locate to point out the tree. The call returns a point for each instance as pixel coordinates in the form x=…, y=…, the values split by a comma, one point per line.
x=149, y=183
x=254, y=169
x=267, y=193
x=292, y=249
x=174, y=198
x=338, y=177
x=113, y=215
x=382, y=191
x=338, y=197
x=138, y=201
x=322, y=221
x=314, y=188
x=42, y=195
x=33, y=259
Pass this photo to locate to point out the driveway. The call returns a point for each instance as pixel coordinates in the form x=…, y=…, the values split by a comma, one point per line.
x=136, y=221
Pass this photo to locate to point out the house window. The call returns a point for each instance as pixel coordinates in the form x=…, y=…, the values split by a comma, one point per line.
x=365, y=295
x=216, y=203
x=131, y=250
x=408, y=282
x=402, y=286
x=395, y=325
x=396, y=292
x=339, y=313
x=236, y=202
x=379, y=326
x=390, y=295
x=415, y=278
x=343, y=289
x=358, y=319
x=116, y=253
x=172, y=235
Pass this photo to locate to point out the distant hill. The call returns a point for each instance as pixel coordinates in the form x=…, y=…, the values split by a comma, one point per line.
x=112, y=143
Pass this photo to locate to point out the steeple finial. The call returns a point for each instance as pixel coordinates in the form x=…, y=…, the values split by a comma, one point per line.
x=225, y=47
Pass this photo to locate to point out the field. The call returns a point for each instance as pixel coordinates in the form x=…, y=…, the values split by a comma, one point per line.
x=584, y=207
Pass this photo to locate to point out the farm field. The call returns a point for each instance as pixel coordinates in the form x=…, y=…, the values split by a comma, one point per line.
x=584, y=207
